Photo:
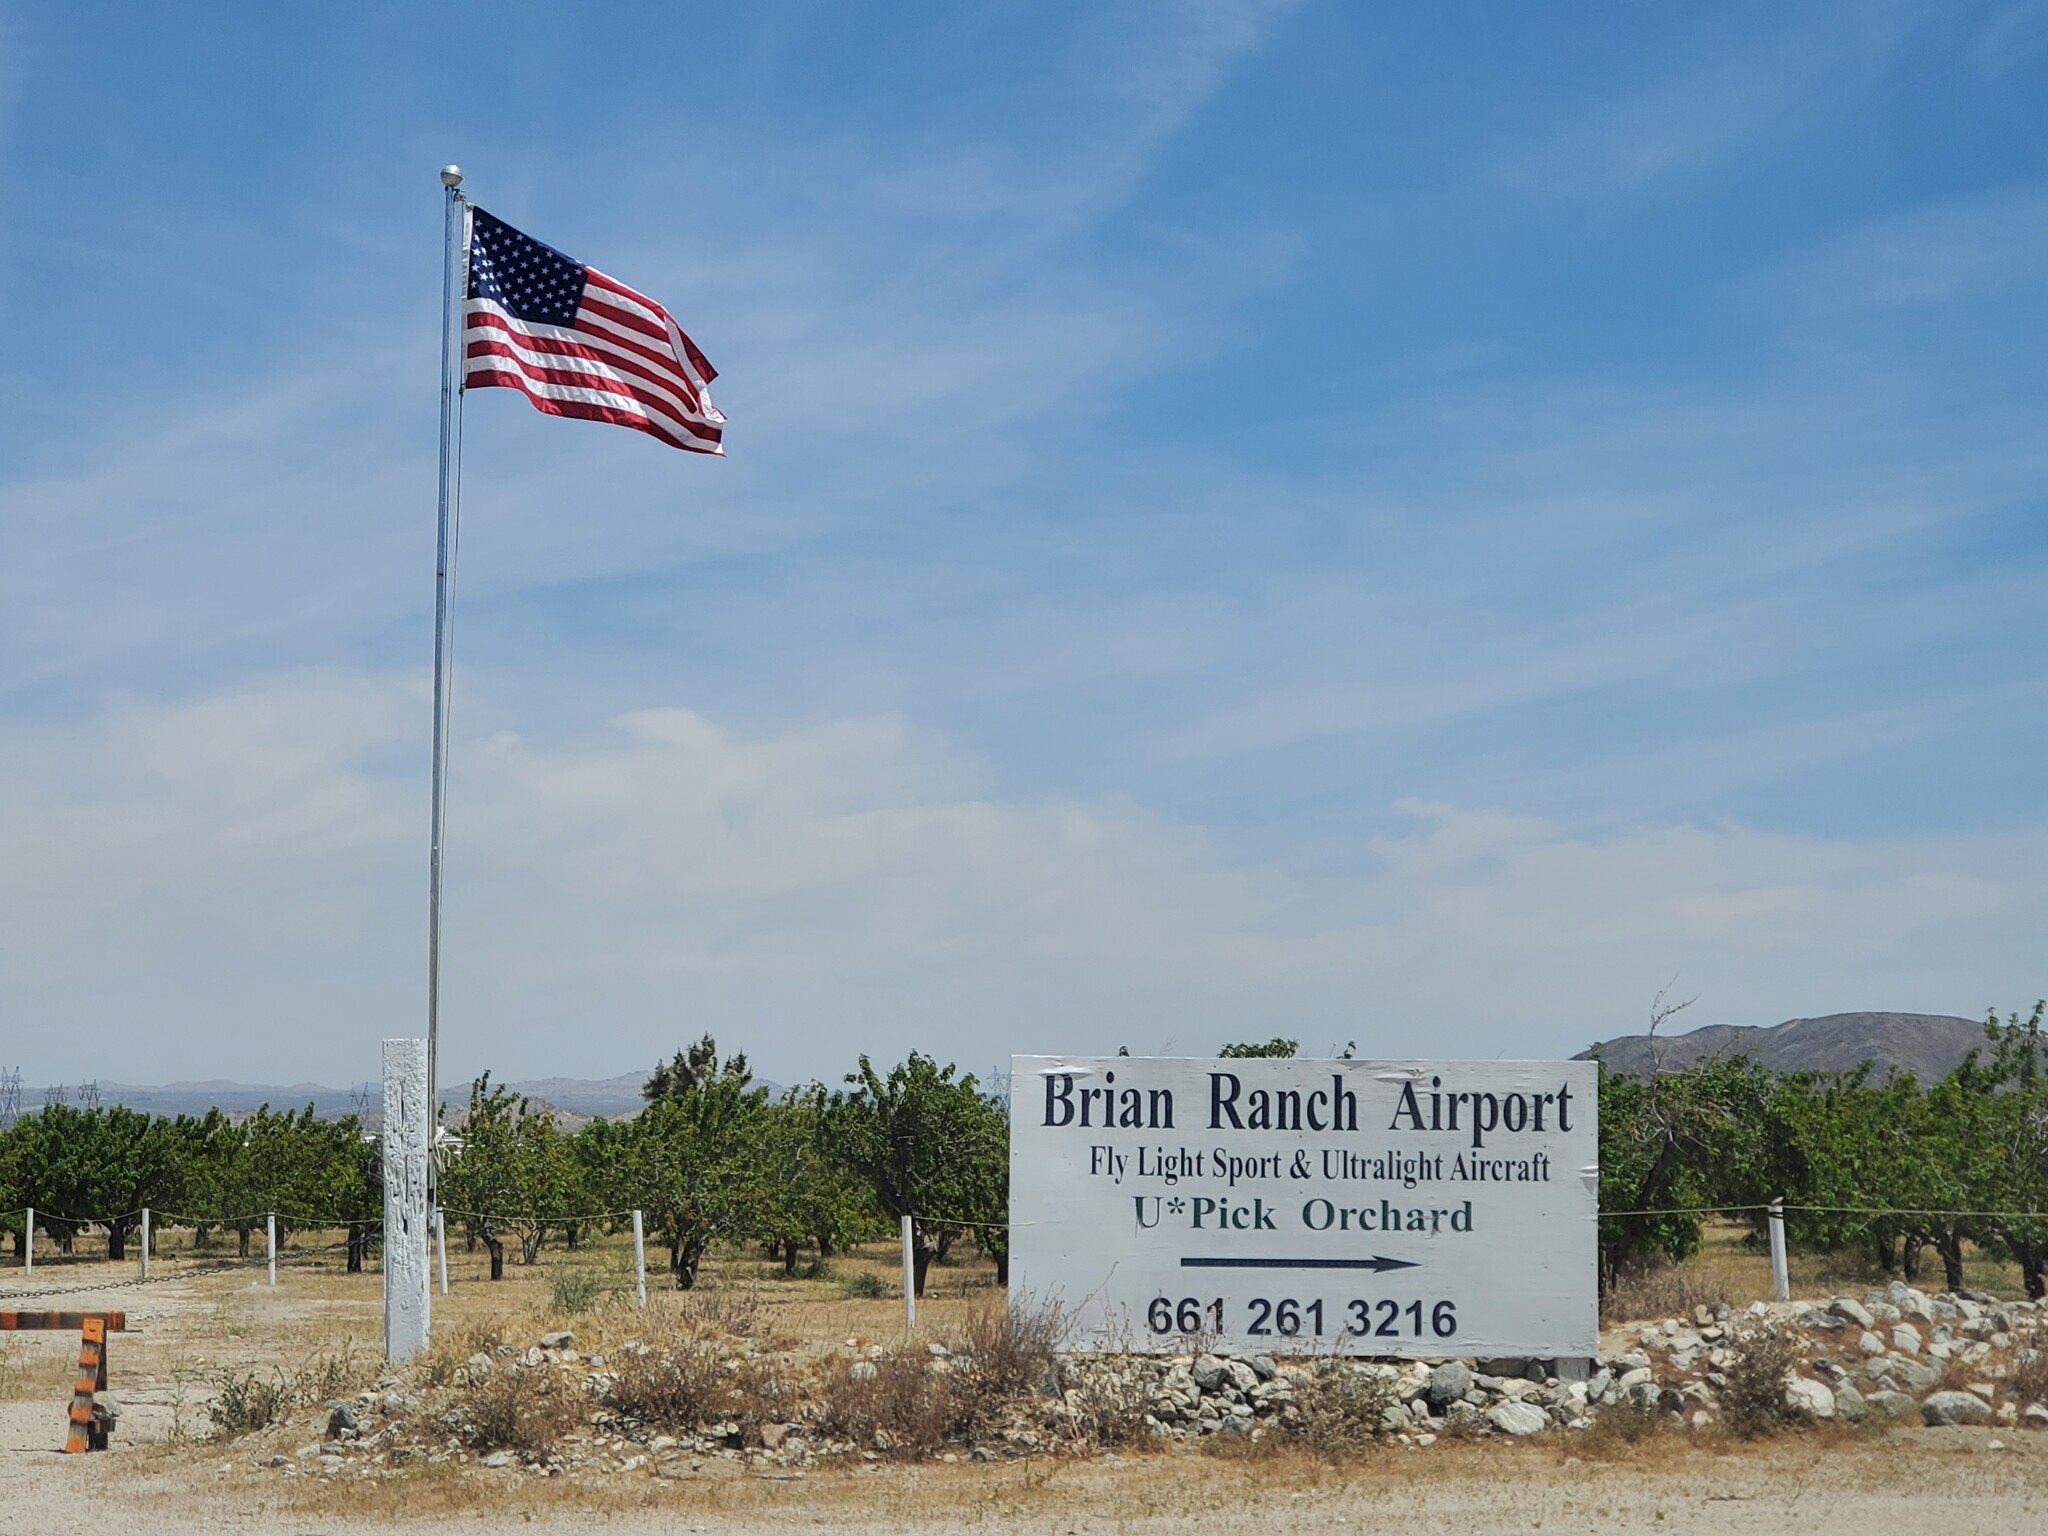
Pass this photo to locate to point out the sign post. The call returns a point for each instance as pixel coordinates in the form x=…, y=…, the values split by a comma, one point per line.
x=1419, y=1209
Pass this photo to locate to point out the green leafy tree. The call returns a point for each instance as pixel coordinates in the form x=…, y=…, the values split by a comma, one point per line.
x=931, y=1146
x=806, y=1192
x=482, y=1183
x=1254, y=1050
x=692, y=1160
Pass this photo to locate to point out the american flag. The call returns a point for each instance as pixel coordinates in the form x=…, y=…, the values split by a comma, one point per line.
x=579, y=343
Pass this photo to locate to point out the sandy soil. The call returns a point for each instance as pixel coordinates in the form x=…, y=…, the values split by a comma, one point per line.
x=163, y=1476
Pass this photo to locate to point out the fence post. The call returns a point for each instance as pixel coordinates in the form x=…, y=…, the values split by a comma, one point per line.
x=1781, y=1276
x=639, y=1262
x=441, y=1245
x=145, y=1242
x=270, y=1242
x=909, y=1274
x=28, y=1244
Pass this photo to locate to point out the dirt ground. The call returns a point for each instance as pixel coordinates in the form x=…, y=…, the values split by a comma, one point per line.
x=165, y=1475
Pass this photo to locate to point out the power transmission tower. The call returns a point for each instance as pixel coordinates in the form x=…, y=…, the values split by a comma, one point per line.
x=55, y=1094
x=10, y=1098
x=359, y=1099
x=89, y=1095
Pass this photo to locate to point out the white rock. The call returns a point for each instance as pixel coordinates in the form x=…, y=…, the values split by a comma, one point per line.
x=1906, y=1339
x=1518, y=1419
x=1810, y=1397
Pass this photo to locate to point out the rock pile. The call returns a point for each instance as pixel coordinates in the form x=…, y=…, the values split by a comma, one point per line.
x=1938, y=1360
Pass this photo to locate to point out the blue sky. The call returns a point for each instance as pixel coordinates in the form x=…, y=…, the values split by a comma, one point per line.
x=1405, y=524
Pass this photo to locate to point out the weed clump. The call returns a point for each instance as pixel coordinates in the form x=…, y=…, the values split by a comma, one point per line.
x=863, y=1285
x=1761, y=1359
x=517, y=1410
x=1344, y=1408
x=243, y=1403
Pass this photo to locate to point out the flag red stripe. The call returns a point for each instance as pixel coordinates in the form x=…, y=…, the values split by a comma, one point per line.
x=678, y=435
x=600, y=352
x=649, y=392
x=552, y=335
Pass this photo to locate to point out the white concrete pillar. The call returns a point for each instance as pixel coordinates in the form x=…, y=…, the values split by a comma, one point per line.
x=145, y=1242
x=1781, y=1274
x=909, y=1274
x=270, y=1245
x=639, y=1263
x=407, y=1295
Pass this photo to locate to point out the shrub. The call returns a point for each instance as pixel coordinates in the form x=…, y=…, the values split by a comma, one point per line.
x=675, y=1382
x=1753, y=1401
x=1108, y=1403
x=2028, y=1378
x=517, y=1410
x=864, y=1285
x=902, y=1408
x=247, y=1402
x=1342, y=1407
x=1008, y=1349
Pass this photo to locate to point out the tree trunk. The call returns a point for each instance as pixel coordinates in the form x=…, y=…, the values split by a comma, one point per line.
x=241, y=1242
x=358, y=1240
x=789, y=1258
x=497, y=1247
x=1002, y=1263
x=117, y=1243
x=922, y=1252
x=571, y=1232
x=529, y=1245
x=824, y=1245
x=1949, y=1245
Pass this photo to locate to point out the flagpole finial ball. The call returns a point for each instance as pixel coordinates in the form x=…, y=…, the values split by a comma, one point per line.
x=451, y=175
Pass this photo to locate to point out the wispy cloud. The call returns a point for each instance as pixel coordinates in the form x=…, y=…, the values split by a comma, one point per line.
x=1741, y=93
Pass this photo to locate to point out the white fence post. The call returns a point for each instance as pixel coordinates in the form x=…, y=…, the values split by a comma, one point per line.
x=145, y=1242
x=909, y=1274
x=408, y=1293
x=1781, y=1275
x=28, y=1244
x=639, y=1263
x=270, y=1241
x=441, y=1246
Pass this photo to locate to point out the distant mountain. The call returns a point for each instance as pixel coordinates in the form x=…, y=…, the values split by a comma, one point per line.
x=1929, y=1045
x=234, y=1098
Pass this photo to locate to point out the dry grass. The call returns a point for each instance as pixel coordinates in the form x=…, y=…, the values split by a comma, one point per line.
x=1665, y=1290
x=245, y=1401
x=1622, y=1431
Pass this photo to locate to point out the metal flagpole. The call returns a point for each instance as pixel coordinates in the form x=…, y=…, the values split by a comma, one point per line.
x=452, y=284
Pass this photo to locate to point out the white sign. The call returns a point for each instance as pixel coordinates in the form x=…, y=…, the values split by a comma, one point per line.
x=1358, y=1207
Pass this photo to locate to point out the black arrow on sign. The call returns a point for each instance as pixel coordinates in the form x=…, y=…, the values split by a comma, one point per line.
x=1377, y=1262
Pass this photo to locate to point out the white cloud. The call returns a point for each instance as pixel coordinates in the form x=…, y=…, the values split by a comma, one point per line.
x=236, y=890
